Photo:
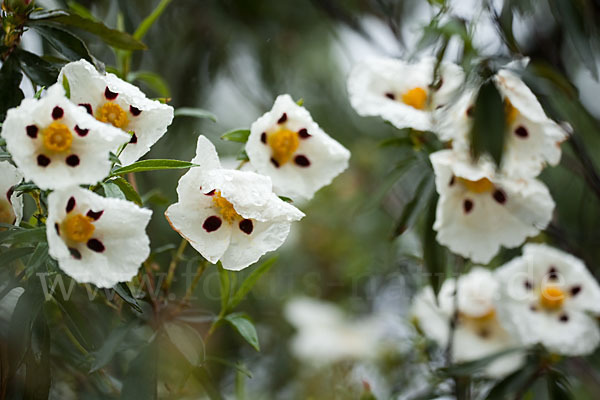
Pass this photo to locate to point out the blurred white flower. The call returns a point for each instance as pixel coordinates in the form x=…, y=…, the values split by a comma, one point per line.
x=228, y=215
x=96, y=239
x=121, y=104
x=57, y=144
x=402, y=93
x=532, y=139
x=479, y=211
x=288, y=146
x=549, y=297
x=11, y=205
x=326, y=336
x=478, y=331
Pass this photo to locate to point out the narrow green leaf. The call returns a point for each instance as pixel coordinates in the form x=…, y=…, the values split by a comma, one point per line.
x=23, y=236
x=14, y=254
x=143, y=28
x=471, y=367
x=225, y=285
x=37, y=259
x=249, y=282
x=112, y=37
x=64, y=42
x=195, y=113
x=245, y=328
x=413, y=208
x=432, y=251
x=10, y=80
x=187, y=340
x=489, y=123
x=37, y=362
x=141, y=380
x=242, y=156
x=237, y=135
x=153, y=80
x=206, y=380
x=125, y=293
x=240, y=367
x=109, y=347
x=128, y=190
x=112, y=190
x=40, y=71
x=510, y=385
x=66, y=86
x=152, y=165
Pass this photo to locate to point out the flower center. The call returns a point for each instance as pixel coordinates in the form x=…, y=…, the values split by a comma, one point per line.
x=479, y=186
x=225, y=207
x=7, y=216
x=552, y=297
x=79, y=228
x=416, y=98
x=284, y=144
x=57, y=137
x=510, y=112
x=113, y=114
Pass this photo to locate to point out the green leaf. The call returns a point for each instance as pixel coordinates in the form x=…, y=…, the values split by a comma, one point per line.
x=67, y=87
x=240, y=367
x=195, y=112
x=143, y=28
x=37, y=362
x=10, y=80
x=206, y=380
x=242, y=156
x=23, y=236
x=153, y=80
x=249, y=282
x=489, y=123
x=187, y=340
x=413, y=208
x=141, y=380
x=152, y=165
x=225, y=286
x=127, y=190
x=472, y=367
x=112, y=37
x=125, y=293
x=109, y=347
x=237, y=135
x=432, y=251
x=245, y=328
x=14, y=254
x=507, y=387
x=112, y=190
x=37, y=259
x=65, y=43
x=40, y=71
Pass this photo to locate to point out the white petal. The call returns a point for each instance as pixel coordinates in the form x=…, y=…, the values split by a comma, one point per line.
x=91, y=150
x=477, y=292
x=10, y=177
x=327, y=158
x=120, y=229
x=431, y=319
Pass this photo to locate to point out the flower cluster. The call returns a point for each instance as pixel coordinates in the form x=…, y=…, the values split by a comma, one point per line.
x=543, y=297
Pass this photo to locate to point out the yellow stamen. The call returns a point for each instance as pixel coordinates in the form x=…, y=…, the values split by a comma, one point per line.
x=78, y=228
x=284, y=144
x=225, y=207
x=113, y=114
x=416, y=98
x=57, y=137
x=552, y=297
x=7, y=215
x=510, y=112
x=479, y=186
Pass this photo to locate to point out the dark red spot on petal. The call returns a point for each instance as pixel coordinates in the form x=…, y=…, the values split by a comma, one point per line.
x=303, y=133
x=57, y=229
x=499, y=196
x=552, y=273
x=282, y=119
x=95, y=245
x=95, y=215
x=575, y=290
x=43, y=161
x=81, y=132
x=57, y=112
x=110, y=95
x=88, y=108
x=32, y=131
x=452, y=180
x=301, y=161
x=212, y=223
x=470, y=111
x=521, y=132
x=390, y=96
x=246, y=226
x=211, y=193
x=564, y=318
x=9, y=193
x=528, y=285
x=70, y=204
x=468, y=206
x=533, y=308
x=274, y=162
x=75, y=253
x=72, y=160
x=484, y=333
x=134, y=111
x=133, y=139
x=263, y=137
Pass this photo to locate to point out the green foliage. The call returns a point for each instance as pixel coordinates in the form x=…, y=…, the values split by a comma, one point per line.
x=244, y=326
x=489, y=123
x=152, y=165
x=195, y=113
x=236, y=135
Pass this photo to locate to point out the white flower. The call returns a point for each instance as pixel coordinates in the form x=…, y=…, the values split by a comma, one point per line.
x=287, y=145
x=479, y=211
x=228, y=215
x=96, y=239
x=11, y=205
x=550, y=297
x=326, y=336
x=119, y=103
x=478, y=331
x=402, y=93
x=57, y=144
x=532, y=139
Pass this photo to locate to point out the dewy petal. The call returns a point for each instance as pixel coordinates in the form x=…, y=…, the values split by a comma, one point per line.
x=479, y=230
x=147, y=118
x=569, y=330
x=370, y=83
x=120, y=230
x=91, y=161
x=10, y=177
x=314, y=164
x=261, y=220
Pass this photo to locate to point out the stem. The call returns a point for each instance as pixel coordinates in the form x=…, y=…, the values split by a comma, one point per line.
x=199, y=272
x=173, y=264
